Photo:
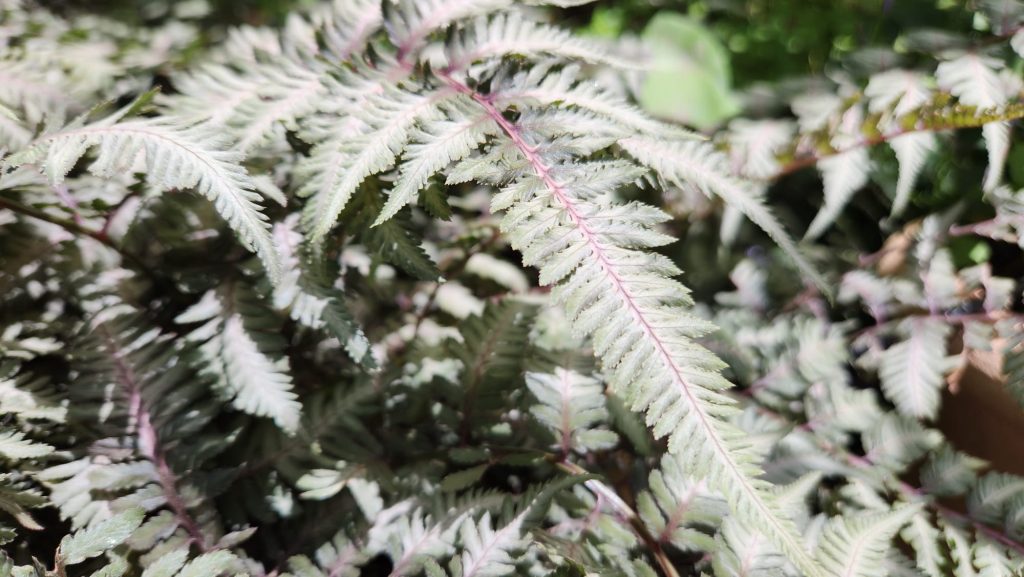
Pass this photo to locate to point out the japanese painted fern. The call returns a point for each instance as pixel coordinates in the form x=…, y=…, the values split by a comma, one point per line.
x=328, y=361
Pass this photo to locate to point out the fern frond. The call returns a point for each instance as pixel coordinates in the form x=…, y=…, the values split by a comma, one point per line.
x=843, y=175
x=625, y=298
x=997, y=498
x=308, y=297
x=211, y=94
x=511, y=34
x=675, y=502
x=925, y=540
x=173, y=564
x=543, y=87
x=16, y=497
x=15, y=446
x=95, y=541
x=26, y=88
x=486, y=550
x=895, y=441
x=346, y=25
x=488, y=544
x=992, y=561
x=855, y=545
x=339, y=557
x=296, y=93
x=912, y=150
x=411, y=23
x=975, y=81
x=174, y=157
x=756, y=145
x=247, y=104
x=244, y=355
x=492, y=353
x=746, y=553
x=571, y=407
x=949, y=472
x=338, y=166
x=137, y=390
x=960, y=551
x=412, y=537
x=392, y=240
x=21, y=395
x=896, y=94
x=912, y=371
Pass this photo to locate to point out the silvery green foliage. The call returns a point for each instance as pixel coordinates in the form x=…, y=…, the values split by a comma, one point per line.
x=381, y=291
x=910, y=111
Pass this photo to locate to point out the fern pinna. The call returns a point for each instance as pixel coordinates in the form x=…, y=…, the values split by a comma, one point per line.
x=383, y=389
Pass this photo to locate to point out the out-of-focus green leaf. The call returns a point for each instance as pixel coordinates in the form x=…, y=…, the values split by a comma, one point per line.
x=689, y=77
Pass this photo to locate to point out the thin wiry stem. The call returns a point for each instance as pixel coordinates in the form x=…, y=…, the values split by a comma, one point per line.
x=74, y=228
x=141, y=425
x=941, y=124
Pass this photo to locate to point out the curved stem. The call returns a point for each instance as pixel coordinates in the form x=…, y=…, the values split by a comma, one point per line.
x=75, y=228
x=941, y=124
x=625, y=514
x=148, y=442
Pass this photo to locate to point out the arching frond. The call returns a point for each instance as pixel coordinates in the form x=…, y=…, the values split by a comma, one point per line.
x=435, y=145
x=173, y=157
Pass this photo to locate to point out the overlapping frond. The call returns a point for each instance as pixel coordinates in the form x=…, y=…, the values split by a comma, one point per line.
x=626, y=299
x=310, y=299
x=855, y=546
x=572, y=407
x=912, y=371
x=675, y=503
x=244, y=354
x=460, y=129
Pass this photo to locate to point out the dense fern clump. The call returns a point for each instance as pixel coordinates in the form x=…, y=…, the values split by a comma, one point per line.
x=394, y=289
